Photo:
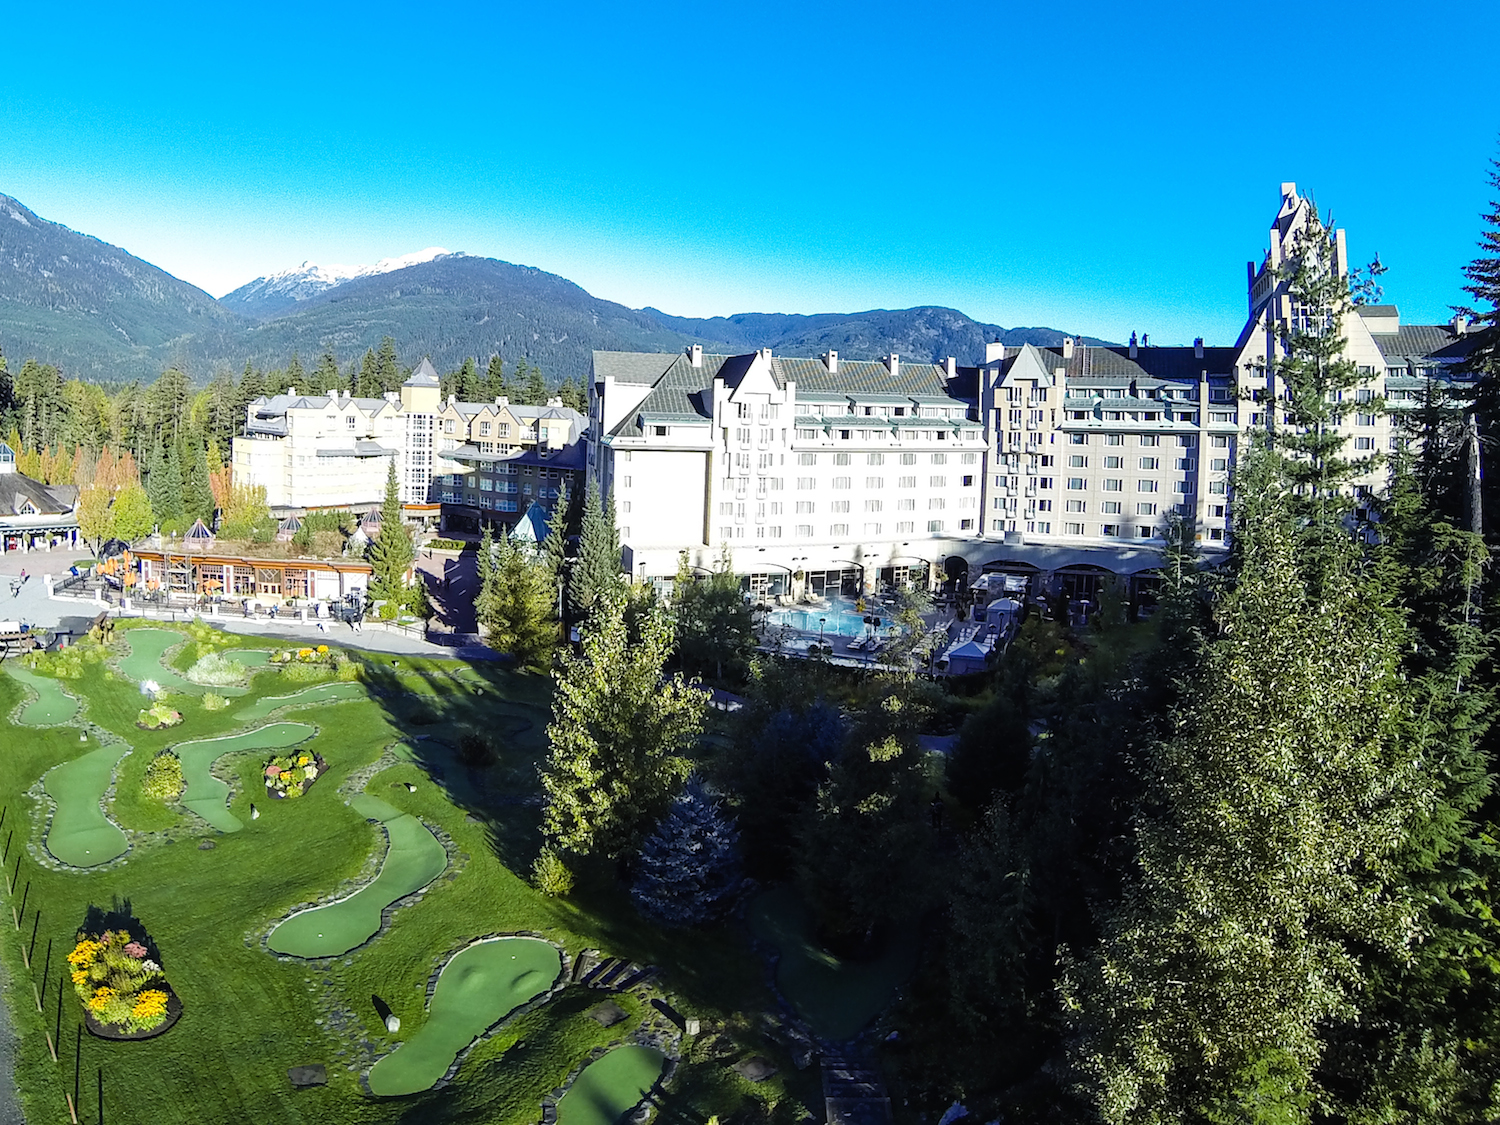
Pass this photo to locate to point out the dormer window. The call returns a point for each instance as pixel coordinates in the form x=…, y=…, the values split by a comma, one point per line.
x=27, y=509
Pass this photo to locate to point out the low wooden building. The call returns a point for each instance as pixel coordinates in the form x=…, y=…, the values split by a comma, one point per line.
x=211, y=571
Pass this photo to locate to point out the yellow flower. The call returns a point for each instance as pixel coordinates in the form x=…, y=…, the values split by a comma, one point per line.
x=150, y=1004
x=322, y=648
x=303, y=759
x=101, y=998
x=84, y=952
x=80, y=975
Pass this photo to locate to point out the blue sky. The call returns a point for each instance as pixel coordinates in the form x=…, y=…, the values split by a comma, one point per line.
x=1096, y=167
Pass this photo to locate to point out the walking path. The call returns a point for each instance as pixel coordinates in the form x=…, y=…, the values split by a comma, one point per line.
x=10, y=1101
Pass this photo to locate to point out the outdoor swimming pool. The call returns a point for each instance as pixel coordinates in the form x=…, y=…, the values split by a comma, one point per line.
x=838, y=619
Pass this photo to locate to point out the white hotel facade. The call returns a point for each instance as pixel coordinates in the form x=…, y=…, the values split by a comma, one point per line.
x=852, y=472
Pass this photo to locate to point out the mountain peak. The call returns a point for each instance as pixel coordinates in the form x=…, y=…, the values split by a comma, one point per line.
x=277, y=292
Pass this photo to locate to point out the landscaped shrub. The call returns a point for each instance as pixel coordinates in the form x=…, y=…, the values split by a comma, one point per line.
x=119, y=985
x=212, y=701
x=689, y=870
x=448, y=545
x=551, y=875
x=68, y=663
x=291, y=775
x=157, y=716
x=307, y=664
x=217, y=670
x=163, y=781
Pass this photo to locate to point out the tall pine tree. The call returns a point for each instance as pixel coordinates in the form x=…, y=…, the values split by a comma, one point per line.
x=392, y=554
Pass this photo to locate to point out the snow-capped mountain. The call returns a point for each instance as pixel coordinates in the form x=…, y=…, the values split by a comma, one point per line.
x=277, y=292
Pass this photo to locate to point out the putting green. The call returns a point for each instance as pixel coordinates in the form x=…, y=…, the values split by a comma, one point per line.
x=610, y=1087
x=250, y=657
x=51, y=706
x=476, y=990
x=147, y=646
x=205, y=794
x=80, y=834
x=320, y=694
x=837, y=998
x=414, y=859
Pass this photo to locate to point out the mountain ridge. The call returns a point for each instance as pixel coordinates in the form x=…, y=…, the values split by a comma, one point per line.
x=98, y=312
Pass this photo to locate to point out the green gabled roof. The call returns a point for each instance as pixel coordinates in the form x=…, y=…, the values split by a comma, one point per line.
x=863, y=377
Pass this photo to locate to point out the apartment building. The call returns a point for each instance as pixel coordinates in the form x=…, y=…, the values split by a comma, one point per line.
x=851, y=472
x=460, y=461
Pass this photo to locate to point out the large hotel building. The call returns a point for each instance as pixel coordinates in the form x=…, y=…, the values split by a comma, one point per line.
x=847, y=473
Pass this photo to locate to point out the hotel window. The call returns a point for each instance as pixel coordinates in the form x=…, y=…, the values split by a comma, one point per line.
x=1359, y=443
x=970, y=459
x=1077, y=483
x=1111, y=530
x=1044, y=505
x=845, y=435
x=766, y=461
x=1216, y=511
x=875, y=459
x=1186, y=441
x=906, y=527
x=1078, y=505
x=1150, y=440
x=1114, y=439
x=767, y=435
x=1077, y=462
x=841, y=458
x=804, y=531
x=1149, y=463
x=726, y=507
x=1113, y=462
x=937, y=482
x=807, y=458
x=1110, y=507
x=1219, y=441
x=1072, y=529
x=742, y=411
x=349, y=423
x=874, y=482
x=872, y=529
x=1364, y=419
x=939, y=458
x=934, y=525
x=1144, y=533
x=838, y=530
x=967, y=482
x=936, y=503
x=1044, y=482
x=1221, y=464
x=1145, y=509
x=806, y=507
x=907, y=505
x=804, y=434
x=1216, y=534
x=806, y=484
x=1186, y=464
x=906, y=482
x=1184, y=486
x=999, y=525
x=449, y=425
x=742, y=435
x=908, y=458
x=507, y=506
x=843, y=482
x=966, y=525
x=838, y=507
x=502, y=429
x=873, y=506
x=1216, y=487
x=1044, y=527
x=484, y=429
x=1113, y=484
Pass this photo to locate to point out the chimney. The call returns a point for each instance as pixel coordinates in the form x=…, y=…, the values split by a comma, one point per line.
x=1067, y=347
x=291, y=392
x=893, y=362
x=1460, y=324
x=765, y=354
x=502, y=400
x=831, y=359
x=1198, y=347
x=695, y=355
x=950, y=367
x=994, y=352
x=1134, y=347
x=1146, y=340
x=452, y=399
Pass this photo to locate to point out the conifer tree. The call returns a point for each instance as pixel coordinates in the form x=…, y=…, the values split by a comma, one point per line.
x=392, y=554
x=367, y=383
x=596, y=570
x=325, y=377
x=494, y=380
x=387, y=368
x=1482, y=283
x=517, y=608
x=689, y=867
x=198, y=493
x=468, y=385
x=295, y=376
x=535, y=393
x=484, y=601
x=555, y=545
x=618, y=738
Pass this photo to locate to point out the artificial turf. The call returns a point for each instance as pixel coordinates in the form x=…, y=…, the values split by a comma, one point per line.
x=51, y=706
x=79, y=833
x=322, y=693
x=610, y=1087
x=413, y=859
x=205, y=794
x=480, y=986
x=250, y=1014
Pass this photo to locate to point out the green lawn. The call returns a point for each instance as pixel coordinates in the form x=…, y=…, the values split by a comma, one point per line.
x=250, y=1014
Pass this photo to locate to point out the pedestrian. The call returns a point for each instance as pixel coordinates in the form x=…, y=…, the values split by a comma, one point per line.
x=24, y=576
x=322, y=626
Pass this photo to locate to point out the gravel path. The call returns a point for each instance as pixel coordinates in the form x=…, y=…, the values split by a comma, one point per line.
x=10, y=1103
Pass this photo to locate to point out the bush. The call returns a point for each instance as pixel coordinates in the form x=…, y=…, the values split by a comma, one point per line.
x=291, y=775
x=551, y=875
x=217, y=670
x=449, y=545
x=157, y=716
x=163, y=781
x=214, y=702
x=117, y=981
x=304, y=673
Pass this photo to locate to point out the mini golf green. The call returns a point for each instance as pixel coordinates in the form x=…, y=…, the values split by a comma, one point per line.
x=320, y=694
x=80, y=834
x=51, y=706
x=147, y=646
x=250, y=657
x=610, y=1087
x=476, y=990
x=838, y=998
x=205, y=794
x=414, y=859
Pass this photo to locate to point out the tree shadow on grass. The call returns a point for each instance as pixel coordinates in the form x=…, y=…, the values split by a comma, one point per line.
x=119, y=916
x=478, y=731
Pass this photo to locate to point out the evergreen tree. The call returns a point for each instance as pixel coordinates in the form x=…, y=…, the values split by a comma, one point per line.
x=618, y=738
x=535, y=392
x=295, y=376
x=325, y=377
x=467, y=385
x=494, y=380
x=689, y=867
x=485, y=600
x=1265, y=843
x=518, y=608
x=1482, y=283
x=595, y=573
x=573, y=395
x=555, y=545
x=392, y=554
x=714, y=624
x=198, y=493
x=387, y=368
x=165, y=494
x=367, y=383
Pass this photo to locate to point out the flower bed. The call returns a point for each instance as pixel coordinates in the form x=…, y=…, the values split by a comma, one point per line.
x=322, y=654
x=157, y=716
x=291, y=775
x=123, y=992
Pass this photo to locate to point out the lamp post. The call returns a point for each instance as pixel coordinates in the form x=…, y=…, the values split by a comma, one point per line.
x=820, y=631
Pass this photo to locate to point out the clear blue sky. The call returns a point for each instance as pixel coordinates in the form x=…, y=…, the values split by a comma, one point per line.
x=1097, y=167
